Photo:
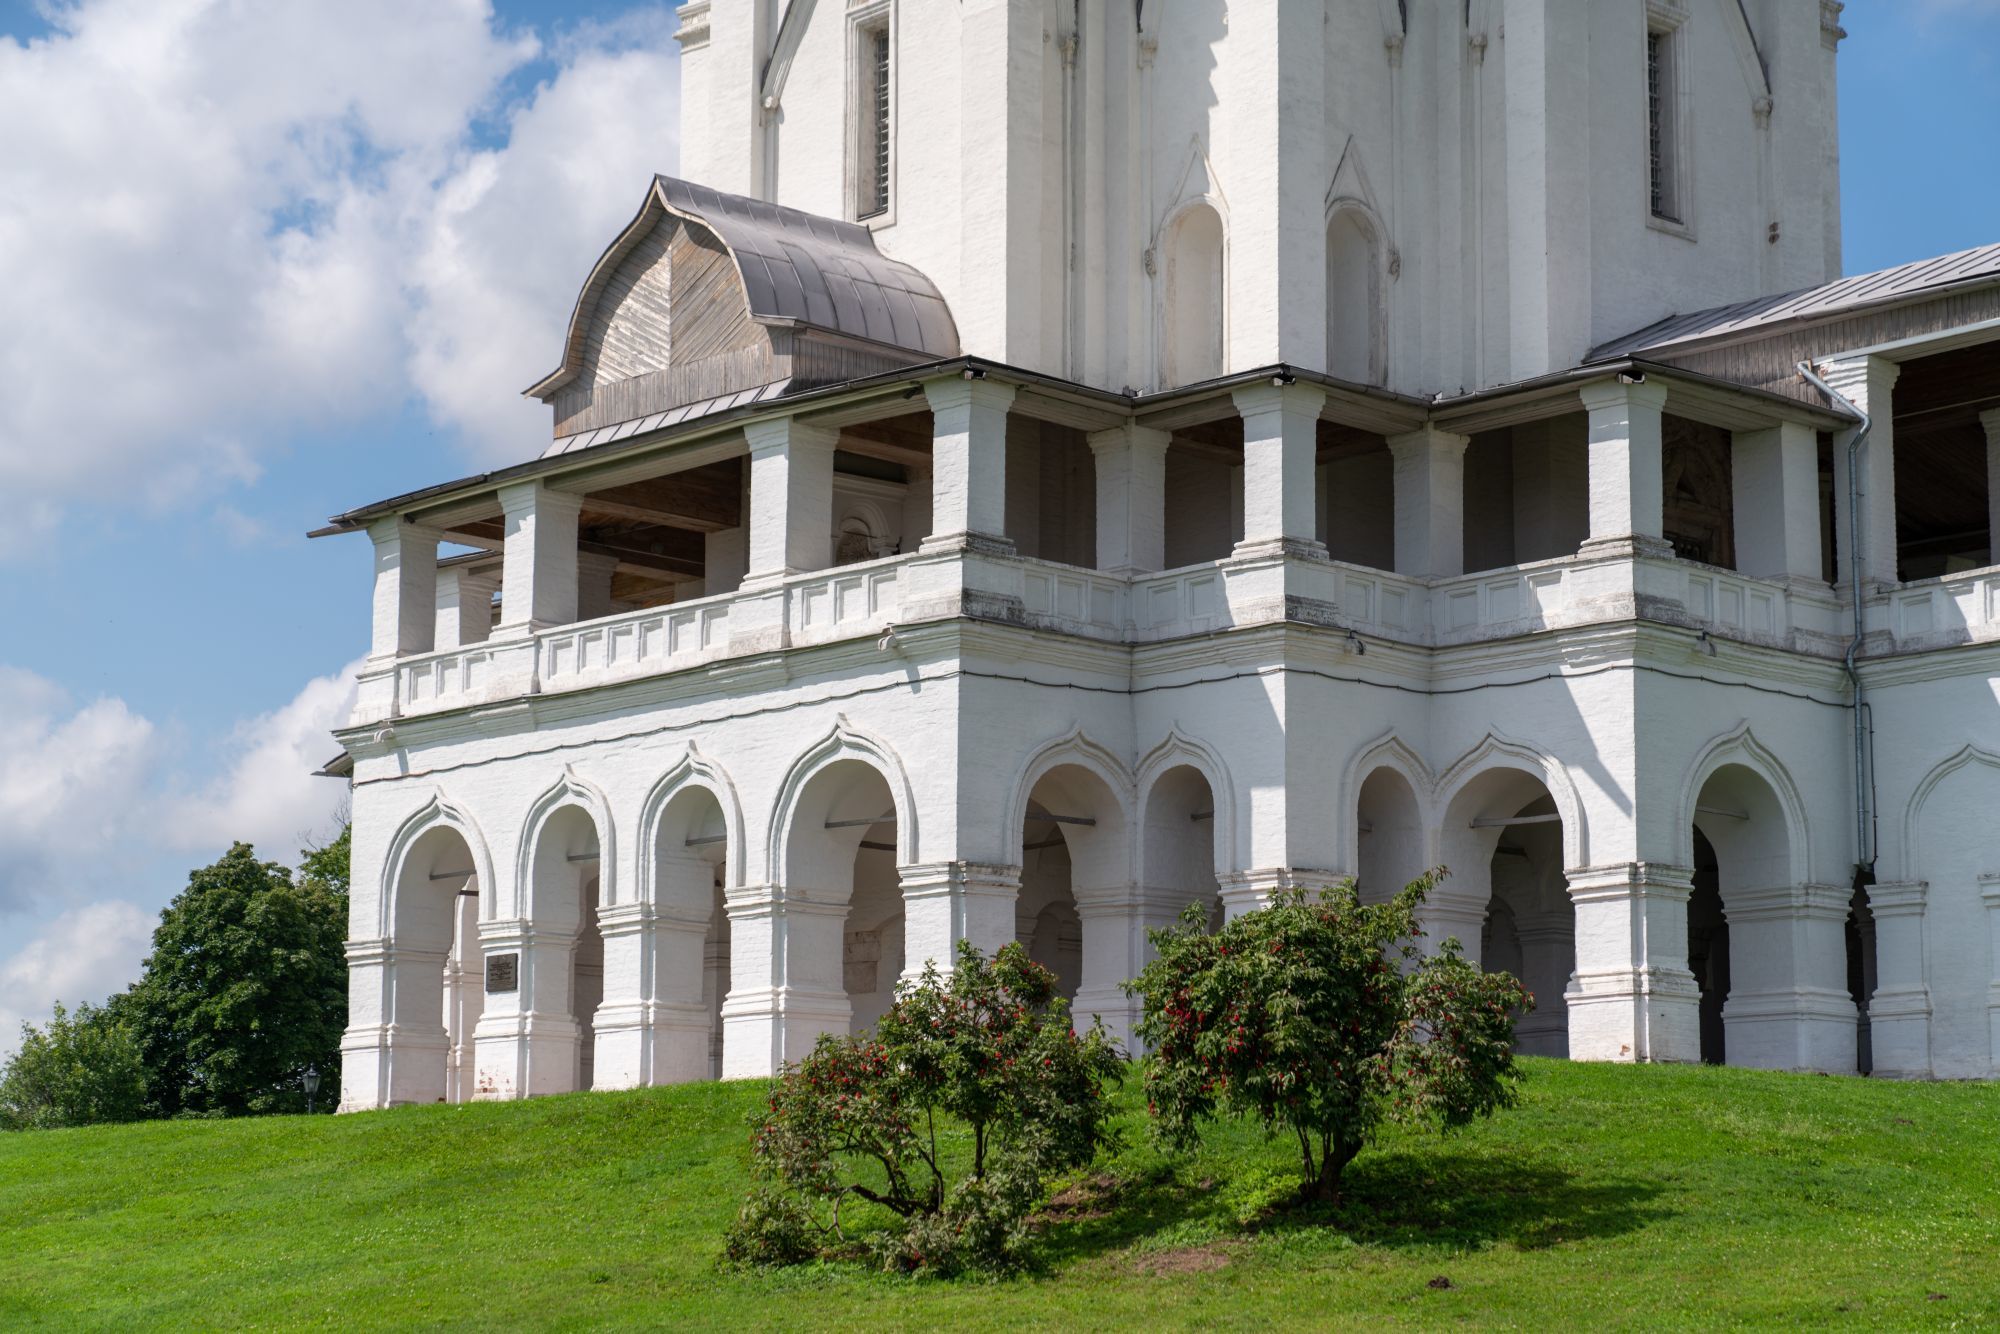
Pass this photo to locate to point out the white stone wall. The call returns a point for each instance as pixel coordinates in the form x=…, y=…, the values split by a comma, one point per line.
x=1496, y=153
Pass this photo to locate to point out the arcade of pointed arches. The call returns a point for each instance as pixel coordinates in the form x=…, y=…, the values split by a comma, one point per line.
x=1105, y=852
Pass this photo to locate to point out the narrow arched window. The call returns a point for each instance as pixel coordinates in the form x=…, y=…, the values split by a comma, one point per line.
x=1354, y=342
x=1194, y=305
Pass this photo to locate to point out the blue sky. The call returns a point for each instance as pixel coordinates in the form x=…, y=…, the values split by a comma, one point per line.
x=399, y=210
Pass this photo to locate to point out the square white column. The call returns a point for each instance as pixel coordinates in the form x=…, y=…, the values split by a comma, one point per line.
x=1131, y=499
x=464, y=606
x=946, y=902
x=1632, y=997
x=1869, y=383
x=1775, y=486
x=405, y=617
x=1990, y=420
x=791, y=499
x=538, y=573
x=916, y=505
x=1430, y=502
x=968, y=464
x=593, y=584
x=1280, y=443
x=1627, y=472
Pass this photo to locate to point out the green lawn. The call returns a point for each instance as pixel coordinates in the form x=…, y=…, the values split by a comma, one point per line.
x=1617, y=1196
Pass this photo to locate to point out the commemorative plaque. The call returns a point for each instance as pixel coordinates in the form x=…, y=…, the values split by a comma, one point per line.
x=503, y=972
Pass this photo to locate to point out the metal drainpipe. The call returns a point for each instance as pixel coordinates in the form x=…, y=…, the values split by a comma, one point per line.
x=1864, y=842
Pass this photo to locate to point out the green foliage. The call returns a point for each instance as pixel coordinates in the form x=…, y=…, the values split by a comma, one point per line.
x=985, y=1054
x=78, y=1069
x=246, y=987
x=1299, y=1015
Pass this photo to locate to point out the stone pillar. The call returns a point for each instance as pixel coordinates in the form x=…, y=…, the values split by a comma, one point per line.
x=1990, y=420
x=791, y=499
x=1131, y=499
x=1899, y=1009
x=968, y=465
x=593, y=584
x=786, y=985
x=946, y=902
x=1456, y=911
x=464, y=607
x=394, y=1049
x=405, y=619
x=538, y=572
x=1869, y=382
x=526, y=1042
x=653, y=1027
x=1280, y=444
x=1548, y=957
x=1115, y=920
x=1989, y=893
x=1632, y=997
x=1788, y=1005
x=1775, y=490
x=1248, y=890
x=464, y=997
x=1627, y=472
x=1430, y=502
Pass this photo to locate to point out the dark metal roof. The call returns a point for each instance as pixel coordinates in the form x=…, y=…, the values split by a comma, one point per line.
x=797, y=267
x=1905, y=282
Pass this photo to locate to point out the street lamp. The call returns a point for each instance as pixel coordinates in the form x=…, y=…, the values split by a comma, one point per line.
x=311, y=1082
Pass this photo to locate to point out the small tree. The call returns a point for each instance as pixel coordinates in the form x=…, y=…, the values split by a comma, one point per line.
x=1316, y=1016
x=78, y=1069
x=985, y=1054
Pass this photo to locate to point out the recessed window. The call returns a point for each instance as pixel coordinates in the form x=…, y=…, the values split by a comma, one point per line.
x=869, y=114
x=1663, y=124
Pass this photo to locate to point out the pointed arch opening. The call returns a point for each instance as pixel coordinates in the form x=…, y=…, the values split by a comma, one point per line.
x=1196, y=309
x=1356, y=346
x=439, y=990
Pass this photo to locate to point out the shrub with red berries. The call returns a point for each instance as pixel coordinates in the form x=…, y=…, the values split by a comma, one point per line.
x=972, y=1093
x=1319, y=1016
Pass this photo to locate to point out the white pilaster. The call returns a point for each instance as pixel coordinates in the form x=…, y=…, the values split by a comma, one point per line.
x=968, y=464
x=526, y=1041
x=1430, y=502
x=917, y=505
x=654, y=1024
x=1627, y=479
x=1280, y=440
x=405, y=616
x=1899, y=1011
x=394, y=1048
x=538, y=572
x=1632, y=997
x=786, y=986
x=1776, y=501
x=1115, y=921
x=1131, y=499
x=1870, y=383
x=791, y=499
x=1548, y=954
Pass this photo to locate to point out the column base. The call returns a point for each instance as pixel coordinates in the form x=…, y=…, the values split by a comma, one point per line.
x=766, y=1030
x=1646, y=1014
x=524, y=1056
x=386, y=1065
x=979, y=544
x=1269, y=548
x=1119, y=1012
x=1800, y=1029
x=643, y=1045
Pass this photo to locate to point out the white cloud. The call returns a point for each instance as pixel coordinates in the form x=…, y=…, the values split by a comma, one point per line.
x=83, y=955
x=228, y=221
x=92, y=797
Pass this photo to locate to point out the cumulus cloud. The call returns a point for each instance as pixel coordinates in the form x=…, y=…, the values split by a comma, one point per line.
x=92, y=795
x=234, y=220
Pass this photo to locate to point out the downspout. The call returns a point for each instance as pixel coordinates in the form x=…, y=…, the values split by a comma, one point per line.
x=1864, y=839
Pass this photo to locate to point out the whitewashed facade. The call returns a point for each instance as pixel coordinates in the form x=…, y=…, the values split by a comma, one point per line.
x=1162, y=452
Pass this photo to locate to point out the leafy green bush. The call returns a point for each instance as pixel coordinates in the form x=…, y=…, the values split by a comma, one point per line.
x=985, y=1054
x=1318, y=1016
x=78, y=1069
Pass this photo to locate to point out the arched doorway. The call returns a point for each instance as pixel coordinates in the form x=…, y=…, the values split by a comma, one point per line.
x=1177, y=853
x=1777, y=959
x=691, y=937
x=1708, y=950
x=1077, y=912
x=1390, y=838
x=1504, y=845
x=562, y=966
x=843, y=906
x=437, y=991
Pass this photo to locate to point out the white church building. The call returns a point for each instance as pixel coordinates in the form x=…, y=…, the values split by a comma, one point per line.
x=1040, y=465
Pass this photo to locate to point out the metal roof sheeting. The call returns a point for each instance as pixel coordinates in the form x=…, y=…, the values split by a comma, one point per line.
x=1905, y=282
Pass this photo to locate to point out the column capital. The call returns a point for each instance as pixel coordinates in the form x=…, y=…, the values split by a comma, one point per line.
x=1304, y=400
x=1603, y=395
x=956, y=393
x=1630, y=879
x=1428, y=437
x=1898, y=898
x=1130, y=435
x=1860, y=378
x=1989, y=421
x=538, y=499
x=788, y=433
x=396, y=528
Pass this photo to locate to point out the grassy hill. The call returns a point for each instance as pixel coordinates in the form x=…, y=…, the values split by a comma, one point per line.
x=1616, y=1196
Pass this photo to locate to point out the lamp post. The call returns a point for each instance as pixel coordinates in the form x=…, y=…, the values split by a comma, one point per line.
x=311, y=1083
